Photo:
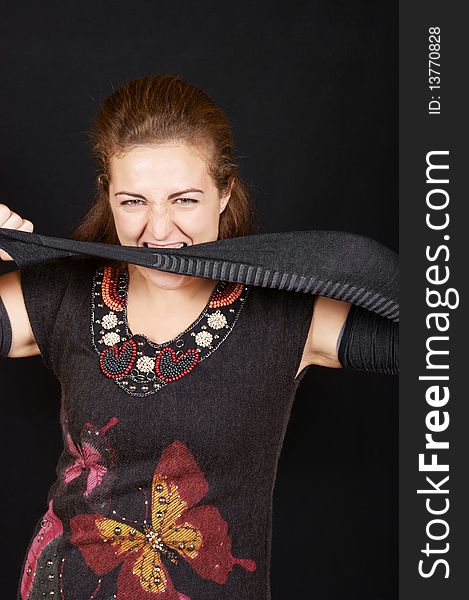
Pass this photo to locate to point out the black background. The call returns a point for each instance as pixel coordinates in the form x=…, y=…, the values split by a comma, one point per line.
x=310, y=89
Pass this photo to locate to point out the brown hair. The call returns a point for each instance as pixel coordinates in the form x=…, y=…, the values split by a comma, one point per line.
x=160, y=109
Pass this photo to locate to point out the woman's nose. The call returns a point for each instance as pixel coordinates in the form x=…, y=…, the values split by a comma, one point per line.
x=159, y=224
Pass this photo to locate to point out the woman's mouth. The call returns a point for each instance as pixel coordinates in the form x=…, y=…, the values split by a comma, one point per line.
x=170, y=245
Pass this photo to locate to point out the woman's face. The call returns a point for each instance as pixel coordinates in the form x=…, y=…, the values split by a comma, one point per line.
x=162, y=196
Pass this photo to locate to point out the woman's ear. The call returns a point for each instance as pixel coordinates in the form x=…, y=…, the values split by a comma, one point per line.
x=223, y=203
x=103, y=181
x=226, y=197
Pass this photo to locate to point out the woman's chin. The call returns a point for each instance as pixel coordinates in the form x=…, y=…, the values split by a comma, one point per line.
x=168, y=281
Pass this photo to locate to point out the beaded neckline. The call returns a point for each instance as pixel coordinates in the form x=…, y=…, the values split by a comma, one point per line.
x=129, y=334
x=139, y=365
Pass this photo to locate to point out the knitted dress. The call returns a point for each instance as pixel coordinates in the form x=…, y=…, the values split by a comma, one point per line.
x=164, y=486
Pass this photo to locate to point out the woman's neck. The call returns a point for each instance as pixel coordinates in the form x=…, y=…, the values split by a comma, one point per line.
x=168, y=291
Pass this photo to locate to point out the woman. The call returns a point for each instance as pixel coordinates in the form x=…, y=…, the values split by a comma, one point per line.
x=176, y=390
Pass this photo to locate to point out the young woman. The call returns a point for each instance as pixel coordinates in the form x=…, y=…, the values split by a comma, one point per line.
x=176, y=390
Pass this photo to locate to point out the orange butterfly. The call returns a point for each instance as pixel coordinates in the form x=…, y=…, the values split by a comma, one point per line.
x=162, y=538
x=178, y=530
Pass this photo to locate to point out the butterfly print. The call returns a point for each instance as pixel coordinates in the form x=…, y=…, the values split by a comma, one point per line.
x=93, y=456
x=175, y=530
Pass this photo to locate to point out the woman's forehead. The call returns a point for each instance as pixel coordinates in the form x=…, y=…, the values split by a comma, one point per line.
x=147, y=169
x=161, y=160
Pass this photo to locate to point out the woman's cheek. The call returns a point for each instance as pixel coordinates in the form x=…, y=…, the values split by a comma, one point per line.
x=130, y=227
x=202, y=226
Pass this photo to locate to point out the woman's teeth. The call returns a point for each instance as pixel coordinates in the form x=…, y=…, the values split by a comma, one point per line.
x=176, y=245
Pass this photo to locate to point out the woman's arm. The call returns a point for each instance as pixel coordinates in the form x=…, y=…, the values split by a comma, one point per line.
x=14, y=320
x=329, y=316
x=345, y=335
x=23, y=343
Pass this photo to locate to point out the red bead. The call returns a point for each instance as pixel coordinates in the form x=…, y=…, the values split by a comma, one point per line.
x=231, y=293
x=109, y=288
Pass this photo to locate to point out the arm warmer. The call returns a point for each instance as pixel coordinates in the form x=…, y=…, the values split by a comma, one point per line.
x=369, y=342
x=336, y=264
x=5, y=331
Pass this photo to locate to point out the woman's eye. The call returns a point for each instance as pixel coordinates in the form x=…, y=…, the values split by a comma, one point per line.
x=137, y=201
x=132, y=202
x=186, y=200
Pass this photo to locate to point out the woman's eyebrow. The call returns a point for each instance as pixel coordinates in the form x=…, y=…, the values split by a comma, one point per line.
x=171, y=196
x=185, y=192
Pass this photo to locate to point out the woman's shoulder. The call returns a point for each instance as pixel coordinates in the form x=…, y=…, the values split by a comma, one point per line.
x=283, y=309
x=282, y=299
x=53, y=280
x=61, y=269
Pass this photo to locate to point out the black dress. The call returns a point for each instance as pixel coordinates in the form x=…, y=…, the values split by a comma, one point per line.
x=164, y=487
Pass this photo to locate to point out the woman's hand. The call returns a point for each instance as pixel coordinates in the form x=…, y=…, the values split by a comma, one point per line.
x=11, y=220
